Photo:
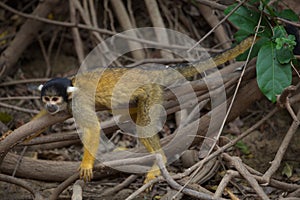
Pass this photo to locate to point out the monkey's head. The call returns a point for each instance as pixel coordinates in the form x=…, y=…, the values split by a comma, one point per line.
x=56, y=94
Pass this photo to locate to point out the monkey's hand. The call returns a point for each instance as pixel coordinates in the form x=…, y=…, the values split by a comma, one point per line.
x=86, y=166
x=86, y=171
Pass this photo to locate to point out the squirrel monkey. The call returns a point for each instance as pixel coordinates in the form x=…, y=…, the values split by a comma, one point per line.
x=57, y=95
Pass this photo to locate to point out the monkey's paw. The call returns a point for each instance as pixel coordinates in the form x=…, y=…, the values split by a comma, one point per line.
x=5, y=134
x=152, y=174
x=86, y=172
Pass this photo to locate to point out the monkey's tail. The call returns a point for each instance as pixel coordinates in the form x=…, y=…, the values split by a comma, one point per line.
x=198, y=67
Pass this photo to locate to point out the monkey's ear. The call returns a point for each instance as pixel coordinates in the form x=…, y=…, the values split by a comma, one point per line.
x=40, y=87
x=71, y=89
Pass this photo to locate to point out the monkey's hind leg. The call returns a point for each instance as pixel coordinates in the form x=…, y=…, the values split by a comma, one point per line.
x=152, y=144
x=148, y=115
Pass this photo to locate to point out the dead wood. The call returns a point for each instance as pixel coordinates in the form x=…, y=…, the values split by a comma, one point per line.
x=28, y=129
x=238, y=164
x=157, y=21
x=39, y=169
x=77, y=190
x=76, y=35
x=24, y=37
x=125, y=22
x=212, y=20
x=275, y=164
x=175, y=185
x=21, y=183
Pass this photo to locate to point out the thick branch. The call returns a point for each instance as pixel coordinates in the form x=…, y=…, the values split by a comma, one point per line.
x=28, y=129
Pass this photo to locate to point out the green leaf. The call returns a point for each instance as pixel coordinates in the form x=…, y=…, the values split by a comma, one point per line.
x=284, y=45
x=272, y=76
x=247, y=20
x=243, y=147
x=287, y=170
x=279, y=32
x=288, y=14
x=284, y=55
x=240, y=35
x=244, y=18
x=288, y=42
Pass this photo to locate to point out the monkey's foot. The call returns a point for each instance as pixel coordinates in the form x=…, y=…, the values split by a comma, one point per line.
x=5, y=134
x=86, y=172
x=152, y=174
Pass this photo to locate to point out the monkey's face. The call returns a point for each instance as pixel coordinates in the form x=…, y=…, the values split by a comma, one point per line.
x=54, y=104
x=56, y=93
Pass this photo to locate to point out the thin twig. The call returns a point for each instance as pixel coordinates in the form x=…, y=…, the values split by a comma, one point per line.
x=297, y=24
x=178, y=187
x=237, y=85
x=63, y=186
x=232, y=101
x=224, y=182
x=5, y=105
x=19, y=161
x=238, y=164
x=19, y=98
x=285, y=94
x=144, y=187
x=91, y=28
x=295, y=69
x=283, y=101
x=120, y=186
x=15, y=82
x=24, y=184
x=212, y=4
x=198, y=166
x=221, y=22
x=110, y=15
x=274, y=183
x=46, y=57
x=281, y=151
x=76, y=35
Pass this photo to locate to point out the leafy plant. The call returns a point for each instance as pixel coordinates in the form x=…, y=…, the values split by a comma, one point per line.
x=274, y=50
x=5, y=118
x=287, y=170
x=243, y=147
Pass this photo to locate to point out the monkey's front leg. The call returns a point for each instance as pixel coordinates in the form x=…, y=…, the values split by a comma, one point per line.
x=91, y=138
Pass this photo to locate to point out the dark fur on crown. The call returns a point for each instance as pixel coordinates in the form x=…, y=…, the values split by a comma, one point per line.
x=56, y=87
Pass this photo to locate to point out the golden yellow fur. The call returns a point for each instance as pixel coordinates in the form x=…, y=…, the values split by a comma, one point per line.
x=108, y=90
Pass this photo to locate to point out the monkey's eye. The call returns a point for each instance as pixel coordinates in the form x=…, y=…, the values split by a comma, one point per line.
x=55, y=98
x=45, y=98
